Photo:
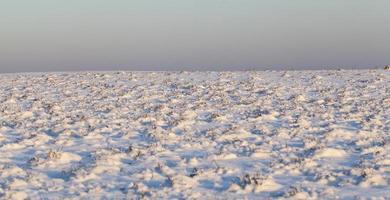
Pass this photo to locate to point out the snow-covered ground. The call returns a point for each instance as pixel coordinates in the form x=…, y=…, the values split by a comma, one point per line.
x=195, y=135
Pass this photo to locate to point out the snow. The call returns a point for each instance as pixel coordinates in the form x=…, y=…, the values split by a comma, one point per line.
x=195, y=135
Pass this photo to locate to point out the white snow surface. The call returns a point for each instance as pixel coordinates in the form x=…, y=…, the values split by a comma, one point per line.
x=195, y=135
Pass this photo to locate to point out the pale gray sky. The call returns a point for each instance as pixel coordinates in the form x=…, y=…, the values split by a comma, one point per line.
x=58, y=35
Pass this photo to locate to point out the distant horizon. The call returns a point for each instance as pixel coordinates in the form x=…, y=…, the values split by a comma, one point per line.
x=143, y=69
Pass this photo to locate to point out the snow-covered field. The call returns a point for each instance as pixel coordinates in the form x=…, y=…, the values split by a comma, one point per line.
x=195, y=135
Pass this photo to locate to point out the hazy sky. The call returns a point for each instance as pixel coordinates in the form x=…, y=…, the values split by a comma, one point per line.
x=59, y=35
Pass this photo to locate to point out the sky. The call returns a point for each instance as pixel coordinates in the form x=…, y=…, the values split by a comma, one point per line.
x=74, y=35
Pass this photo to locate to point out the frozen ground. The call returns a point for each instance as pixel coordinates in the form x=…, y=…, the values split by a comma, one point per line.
x=195, y=135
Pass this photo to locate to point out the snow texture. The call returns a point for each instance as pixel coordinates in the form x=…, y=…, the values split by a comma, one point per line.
x=195, y=135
